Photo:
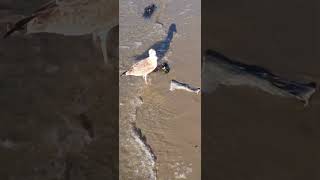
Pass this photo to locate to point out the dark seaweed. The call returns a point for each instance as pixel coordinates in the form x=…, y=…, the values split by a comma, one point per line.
x=149, y=10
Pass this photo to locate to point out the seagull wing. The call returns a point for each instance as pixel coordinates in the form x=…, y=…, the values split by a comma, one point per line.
x=142, y=67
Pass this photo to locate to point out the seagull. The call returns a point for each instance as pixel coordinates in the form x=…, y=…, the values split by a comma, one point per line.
x=144, y=67
x=73, y=18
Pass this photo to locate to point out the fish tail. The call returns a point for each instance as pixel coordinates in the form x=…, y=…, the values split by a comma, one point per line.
x=19, y=25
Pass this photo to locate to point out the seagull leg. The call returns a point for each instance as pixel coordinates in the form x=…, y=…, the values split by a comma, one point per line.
x=95, y=39
x=103, y=43
x=145, y=79
x=149, y=81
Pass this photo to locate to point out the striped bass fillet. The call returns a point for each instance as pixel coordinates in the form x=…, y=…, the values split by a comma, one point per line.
x=176, y=85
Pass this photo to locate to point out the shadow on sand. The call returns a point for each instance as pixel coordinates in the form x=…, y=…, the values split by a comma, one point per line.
x=161, y=47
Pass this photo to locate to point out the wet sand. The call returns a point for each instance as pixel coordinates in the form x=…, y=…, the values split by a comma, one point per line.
x=247, y=133
x=170, y=121
x=59, y=107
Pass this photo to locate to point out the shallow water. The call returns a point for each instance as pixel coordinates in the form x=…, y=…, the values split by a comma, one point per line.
x=169, y=120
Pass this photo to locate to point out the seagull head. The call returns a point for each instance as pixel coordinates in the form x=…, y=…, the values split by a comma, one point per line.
x=152, y=53
x=173, y=28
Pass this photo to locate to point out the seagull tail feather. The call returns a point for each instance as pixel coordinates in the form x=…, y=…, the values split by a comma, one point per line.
x=124, y=74
x=21, y=24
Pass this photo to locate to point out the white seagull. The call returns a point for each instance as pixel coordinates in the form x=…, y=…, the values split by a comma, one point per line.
x=73, y=18
x=143, y=67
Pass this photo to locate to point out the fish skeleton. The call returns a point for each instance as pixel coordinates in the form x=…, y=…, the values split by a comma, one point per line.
x=218, y=70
